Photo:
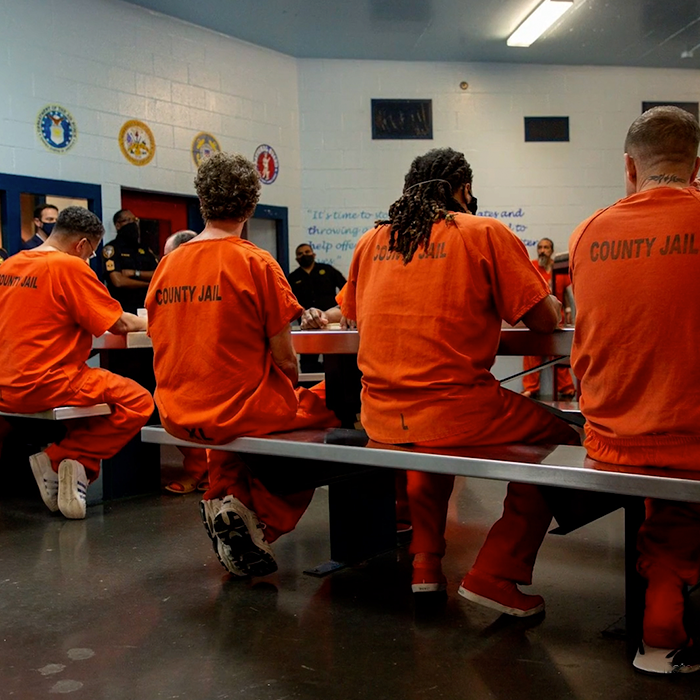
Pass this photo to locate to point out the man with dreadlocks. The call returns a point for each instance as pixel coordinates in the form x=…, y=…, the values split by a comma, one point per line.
x=427, y=343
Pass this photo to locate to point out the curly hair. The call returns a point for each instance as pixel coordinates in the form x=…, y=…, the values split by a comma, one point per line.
x=78, y=221
x=427, y=198
x=228, y=187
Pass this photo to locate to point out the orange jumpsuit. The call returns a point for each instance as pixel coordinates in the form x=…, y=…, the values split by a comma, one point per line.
x=212, y=306
x=429, y=333
x=51, y=305
x=531, y=382
x=635, y=267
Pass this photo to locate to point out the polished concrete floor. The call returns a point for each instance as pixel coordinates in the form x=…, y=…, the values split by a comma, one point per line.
x=132, y=604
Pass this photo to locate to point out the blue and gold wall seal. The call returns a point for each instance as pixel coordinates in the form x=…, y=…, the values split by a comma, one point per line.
x=203, y=146
x=56, y=128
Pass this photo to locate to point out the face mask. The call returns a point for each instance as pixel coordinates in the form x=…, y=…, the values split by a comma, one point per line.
x=305, y=260
x=471, y=206
x=130, y=232
x=47, y=228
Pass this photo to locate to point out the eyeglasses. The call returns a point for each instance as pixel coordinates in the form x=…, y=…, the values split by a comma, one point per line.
x=93, y=251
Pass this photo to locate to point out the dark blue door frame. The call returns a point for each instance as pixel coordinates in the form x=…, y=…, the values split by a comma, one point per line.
x=279, y=216
x=12, y=186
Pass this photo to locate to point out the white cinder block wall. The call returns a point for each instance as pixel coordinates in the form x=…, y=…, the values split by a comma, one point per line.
x=106, y=61
x=542, y=189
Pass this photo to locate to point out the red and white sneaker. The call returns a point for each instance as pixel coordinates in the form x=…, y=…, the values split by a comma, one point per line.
x=499, y=594
x=427, y=574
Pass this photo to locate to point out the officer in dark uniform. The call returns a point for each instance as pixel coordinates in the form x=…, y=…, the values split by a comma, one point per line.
x=315, y=286
x=129, y=265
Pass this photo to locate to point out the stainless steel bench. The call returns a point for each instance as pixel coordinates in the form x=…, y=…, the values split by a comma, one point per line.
x=64, y=412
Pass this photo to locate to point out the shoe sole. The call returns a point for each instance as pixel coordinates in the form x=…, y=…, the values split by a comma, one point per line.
x=38, y=470
x=233, y=531
x=649, y=664
x=71, y=504
x=428, y=587
x=494, y=605
x=222, y=551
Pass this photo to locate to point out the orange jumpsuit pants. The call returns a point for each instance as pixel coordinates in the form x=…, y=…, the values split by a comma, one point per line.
x=90, y=440
x=531, y=382
x=513, y=542
x=669, y=539
x=229, y=475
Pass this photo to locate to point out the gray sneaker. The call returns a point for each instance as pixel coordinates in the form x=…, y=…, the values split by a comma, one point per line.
x=46, y=479
x=72, y=489
x=239, y=528
x=208, y=510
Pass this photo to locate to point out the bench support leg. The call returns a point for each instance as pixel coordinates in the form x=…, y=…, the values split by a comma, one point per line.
x=362, y=514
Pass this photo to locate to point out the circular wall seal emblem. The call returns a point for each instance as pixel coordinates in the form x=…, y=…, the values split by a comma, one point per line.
x=266, y=162
x=56, y=128
x=203, y=145
x=136, y=142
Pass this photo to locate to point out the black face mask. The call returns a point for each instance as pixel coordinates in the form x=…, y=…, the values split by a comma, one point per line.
x=305, y=260
x=471, y=206
x=47, y=228
x=129, y=232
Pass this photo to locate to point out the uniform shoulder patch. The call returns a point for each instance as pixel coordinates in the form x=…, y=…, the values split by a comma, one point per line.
x=321, y=272
x=109, y=266
x=108, y=252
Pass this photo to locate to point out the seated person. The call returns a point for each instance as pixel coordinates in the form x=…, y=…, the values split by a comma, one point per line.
x=219, y=312
x=637, y=309
x=531, y=382
x=51, y=305
x=427, y=344
x=195, y=462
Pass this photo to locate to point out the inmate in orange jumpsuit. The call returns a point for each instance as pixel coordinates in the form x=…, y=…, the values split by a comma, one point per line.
x=212, y=306
x=51, y=305
x=429, y=332
x=531, y=382
x=635, y=268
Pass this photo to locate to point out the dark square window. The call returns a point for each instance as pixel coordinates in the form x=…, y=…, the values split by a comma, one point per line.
x=546, y=128
x=402, y=119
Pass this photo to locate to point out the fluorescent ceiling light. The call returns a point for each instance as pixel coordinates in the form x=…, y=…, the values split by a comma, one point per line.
x=539, y=22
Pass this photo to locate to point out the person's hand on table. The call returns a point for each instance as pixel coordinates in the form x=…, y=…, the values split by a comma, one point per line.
x=347, y=324
x=313, y=319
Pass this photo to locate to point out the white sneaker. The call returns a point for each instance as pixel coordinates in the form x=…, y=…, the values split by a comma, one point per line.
x=72, y=489
x=208, y=510
x=46, y=479
x=240, y=529
x=655, y=660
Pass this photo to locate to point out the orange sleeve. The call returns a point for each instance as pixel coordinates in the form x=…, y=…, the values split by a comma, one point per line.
x=517, y=286
x=279, y=305
x=86, y=298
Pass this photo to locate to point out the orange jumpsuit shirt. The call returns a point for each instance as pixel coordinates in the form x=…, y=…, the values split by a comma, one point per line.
x=635, y=269
x=51, y=305
x=212, y=305
x=429, y=330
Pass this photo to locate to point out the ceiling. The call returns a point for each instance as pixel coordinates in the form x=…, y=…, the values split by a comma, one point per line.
x=649, y=33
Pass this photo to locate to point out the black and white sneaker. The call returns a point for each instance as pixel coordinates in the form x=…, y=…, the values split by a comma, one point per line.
x=208, y=510
x=46, y=479
x=654, y=660
x=72, y=489
x=238, y=527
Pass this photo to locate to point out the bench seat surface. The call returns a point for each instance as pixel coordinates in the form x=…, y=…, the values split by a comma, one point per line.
x=546, y=465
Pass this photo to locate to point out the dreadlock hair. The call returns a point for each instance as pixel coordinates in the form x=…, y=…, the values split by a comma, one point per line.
x=426, y=199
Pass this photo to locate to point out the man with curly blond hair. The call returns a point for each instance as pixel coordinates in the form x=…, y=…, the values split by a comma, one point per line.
x=219, y=312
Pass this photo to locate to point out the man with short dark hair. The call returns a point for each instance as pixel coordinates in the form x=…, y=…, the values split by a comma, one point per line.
x=44, y=221
x=635, y=267
x=314, y=284
x=129, y=264
x=51, y=306
x=219, y=312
